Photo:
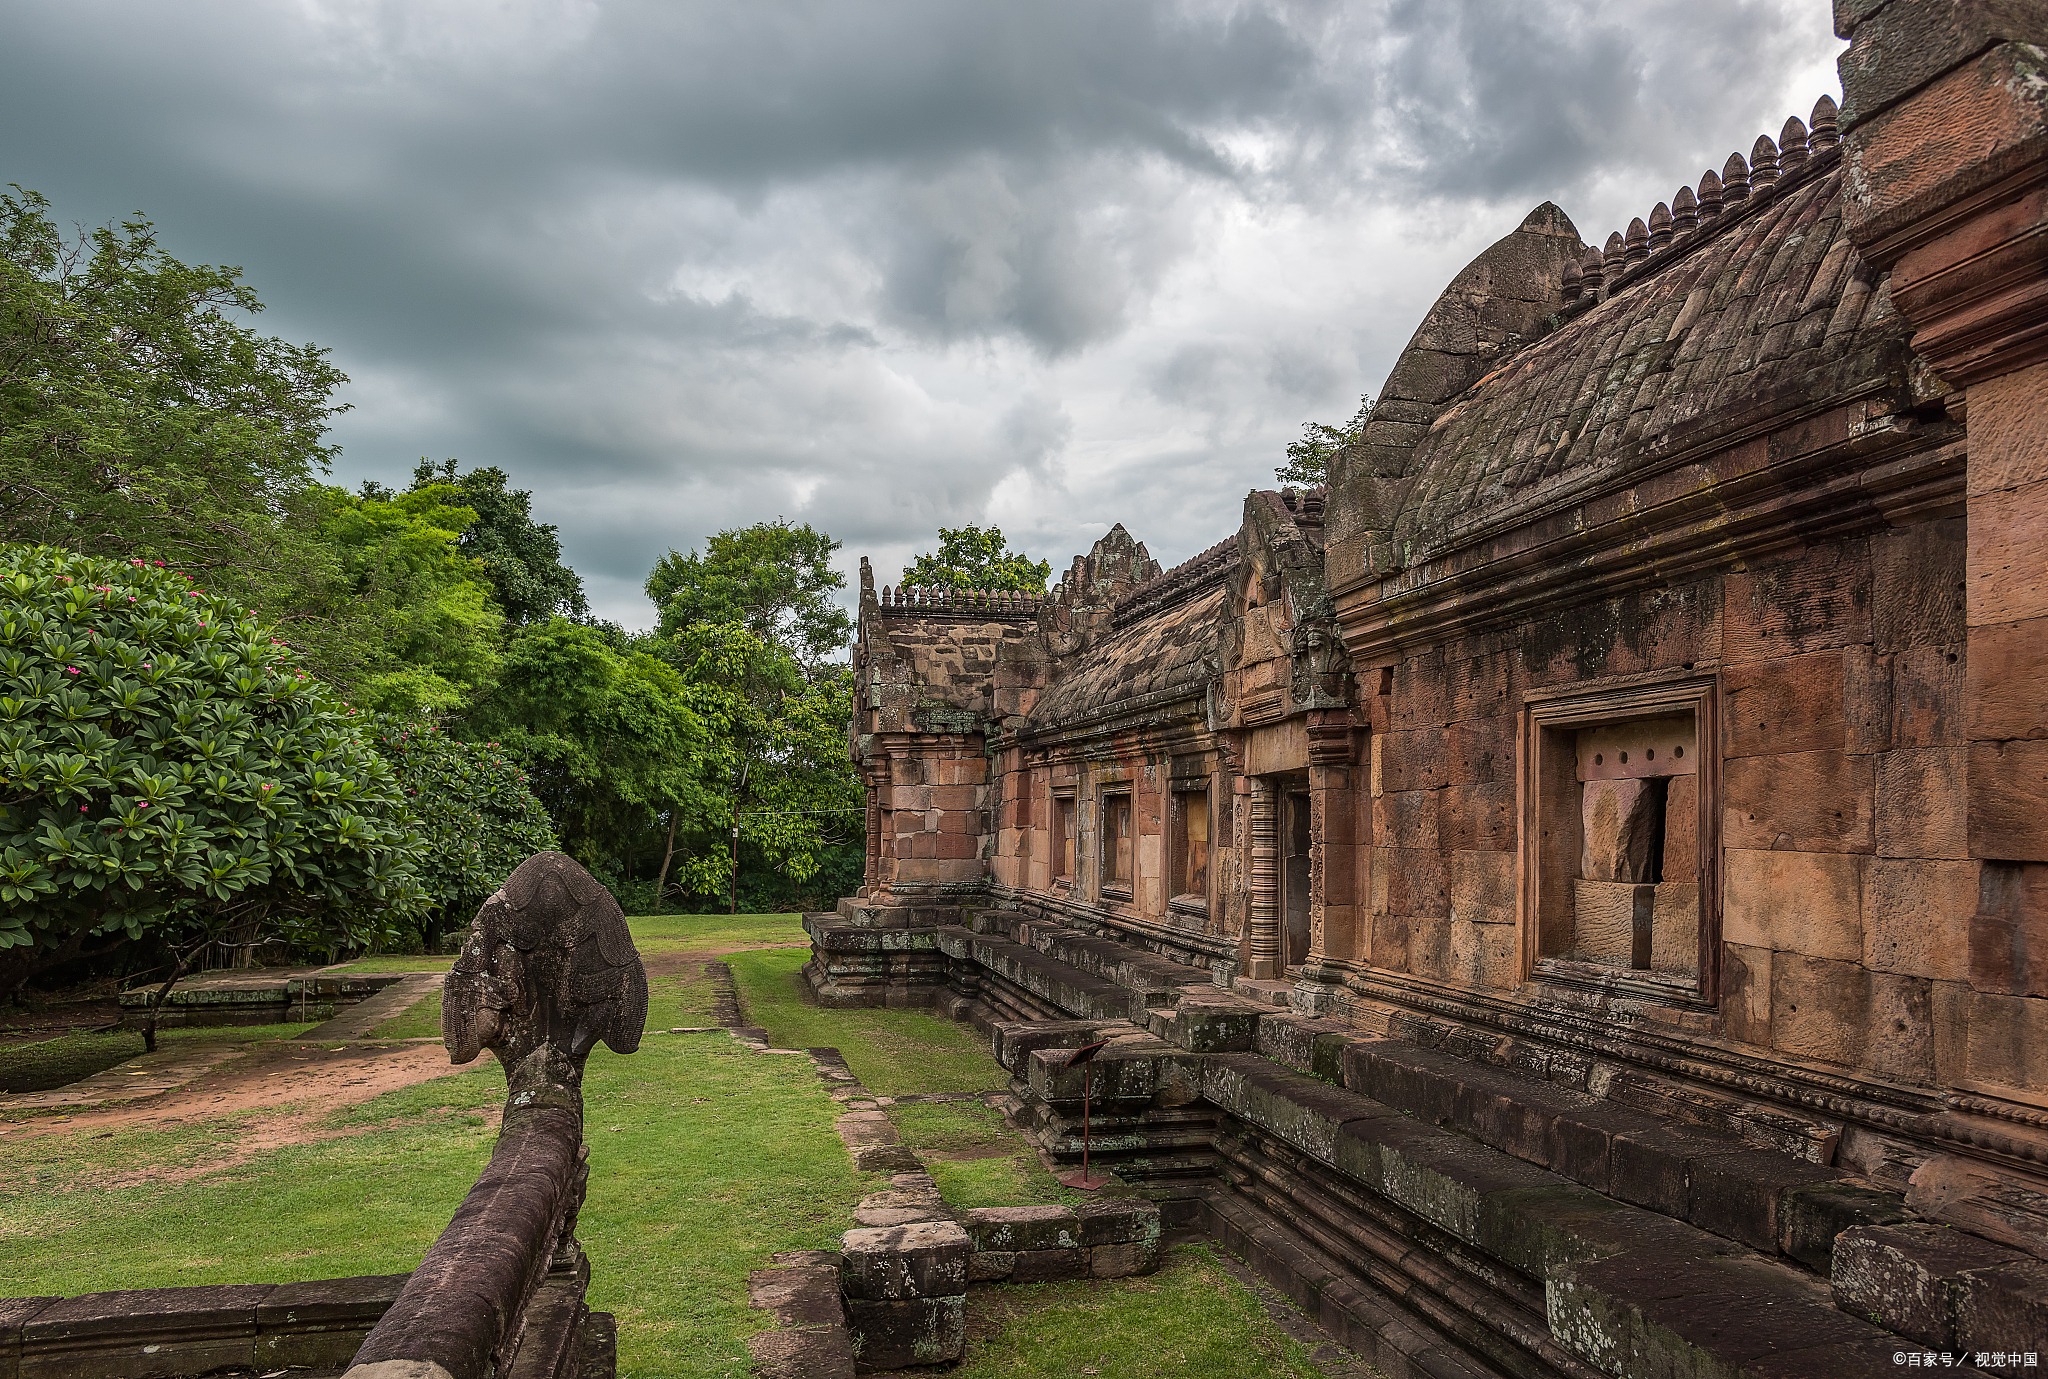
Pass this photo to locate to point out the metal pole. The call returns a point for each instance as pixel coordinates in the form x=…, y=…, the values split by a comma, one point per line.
x=735, y=866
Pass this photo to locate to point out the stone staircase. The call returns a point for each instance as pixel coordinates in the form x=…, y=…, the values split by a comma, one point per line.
x=1472, y=1208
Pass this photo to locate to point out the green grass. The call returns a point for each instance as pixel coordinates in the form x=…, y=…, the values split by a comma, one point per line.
x=398, y=962
x=892, y=1052
x=1016, y=1178
x=47, y=1064
x=420, y=1020
x=719, y=931
x=1190, y=1320
x=705, y=1160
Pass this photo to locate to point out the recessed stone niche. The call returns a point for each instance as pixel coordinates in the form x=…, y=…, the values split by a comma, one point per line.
x=1635, y=901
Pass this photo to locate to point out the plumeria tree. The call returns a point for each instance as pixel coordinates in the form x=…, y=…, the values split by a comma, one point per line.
x=475, y=810
x=170, y=771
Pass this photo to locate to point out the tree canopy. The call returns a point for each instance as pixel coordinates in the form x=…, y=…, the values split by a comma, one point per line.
x=139, y=417
x=165, y=764
x=520, y=557
x=1308, y=459
x=774, y=578
x=970, y=558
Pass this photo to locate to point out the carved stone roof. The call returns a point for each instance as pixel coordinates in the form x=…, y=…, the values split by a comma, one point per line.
x=1767, y=310
x=1167, y=651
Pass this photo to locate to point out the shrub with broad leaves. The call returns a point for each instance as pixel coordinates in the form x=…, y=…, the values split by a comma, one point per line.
x=475, y=811
x=166, y=766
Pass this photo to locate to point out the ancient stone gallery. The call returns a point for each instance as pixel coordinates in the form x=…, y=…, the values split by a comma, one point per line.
x=1571, y=896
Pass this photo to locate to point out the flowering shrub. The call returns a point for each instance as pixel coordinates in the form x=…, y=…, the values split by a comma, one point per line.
x=164, y=764
x=474, y=809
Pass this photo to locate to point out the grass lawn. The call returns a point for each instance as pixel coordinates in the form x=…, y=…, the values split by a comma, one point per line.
x=398, y=962
x=45, y=1064
x=892, y=1052
x=1190, y=1320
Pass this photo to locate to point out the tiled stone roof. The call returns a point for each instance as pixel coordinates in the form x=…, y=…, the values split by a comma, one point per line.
x=1166, y=651
x=1771, y=306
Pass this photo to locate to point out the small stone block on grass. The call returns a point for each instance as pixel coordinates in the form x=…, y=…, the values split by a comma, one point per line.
x=924, y=1260
x=1022, y=1228
x=914, y=1331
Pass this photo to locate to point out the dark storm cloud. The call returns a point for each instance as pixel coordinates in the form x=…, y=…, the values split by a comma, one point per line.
x=879, y=266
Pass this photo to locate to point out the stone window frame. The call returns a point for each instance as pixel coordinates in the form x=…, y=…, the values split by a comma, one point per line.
x=1107, y=886
x=1064, y=826
x=1550, y=719
x=1176, y=841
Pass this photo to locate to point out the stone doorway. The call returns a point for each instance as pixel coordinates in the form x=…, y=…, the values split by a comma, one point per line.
x=1294, y=876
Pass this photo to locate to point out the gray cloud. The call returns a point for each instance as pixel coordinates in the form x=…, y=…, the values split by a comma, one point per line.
x=881, y=267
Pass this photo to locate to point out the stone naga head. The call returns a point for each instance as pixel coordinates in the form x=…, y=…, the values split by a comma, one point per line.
x=548, y=965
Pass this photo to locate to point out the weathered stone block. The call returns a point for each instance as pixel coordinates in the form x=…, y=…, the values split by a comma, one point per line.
x=1920, y=803
x=1477, y=818
x=1790, y=705
x=1917, y=585
x=1814, y=601
x=1124, y=1260
x=1297, y=1110
x=1653, y=1167
x=1908, y=1278
x=2008, y=581
x=1481, y=751
x=322, y=1324
x=1484, y=955
x=142, y=1332
x=1798, y=902
x=990, y=1266
x=2001, y=1303
x=1021, y=1229
x=1811, y=1216
x=923, y=1260
x=1738, y=1195
x=2008, y=930
x=1047, y=1266
x=1842, y=1012
x=1916, y=917
x=1802, y=802
x=1616, y=830
x=2008, y=1039
x=1482, y=888
x=915, y=1331
x=1406, y=819
x=1417, y=881
x=2007, y=665
x=2008, y=790
x=1118, y=1221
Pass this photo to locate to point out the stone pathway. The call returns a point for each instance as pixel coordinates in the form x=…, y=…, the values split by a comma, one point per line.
x=152, y=1074
x=360, y=1019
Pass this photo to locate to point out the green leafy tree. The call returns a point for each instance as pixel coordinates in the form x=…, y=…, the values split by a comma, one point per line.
x=1308, y=459
x=777, y=767
x=168, y=770
x=522, y=558
x=474, y=811
x=610, y=740
x=438, y=628
x=139, y=416
x=774, y=578
x=970, y=558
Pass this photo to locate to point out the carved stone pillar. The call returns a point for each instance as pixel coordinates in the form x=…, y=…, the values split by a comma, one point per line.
x=1333, y=899
x=871, y=871
x=1264, y=964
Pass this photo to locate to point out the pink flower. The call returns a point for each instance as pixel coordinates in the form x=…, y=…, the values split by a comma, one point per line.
x=145, y=804
x=72, y=669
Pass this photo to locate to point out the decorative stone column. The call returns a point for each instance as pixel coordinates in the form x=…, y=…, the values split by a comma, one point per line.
x=1264, y=964
x=1333, y=899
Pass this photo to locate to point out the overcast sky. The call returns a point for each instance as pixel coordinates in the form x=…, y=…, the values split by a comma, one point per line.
x=879, y=267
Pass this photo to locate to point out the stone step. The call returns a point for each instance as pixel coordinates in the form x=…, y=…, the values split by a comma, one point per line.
x=1061, y=985
x=1626, y=1289
x=1709, y=1177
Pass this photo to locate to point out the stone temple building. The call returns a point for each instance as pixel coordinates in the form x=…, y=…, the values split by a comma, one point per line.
x=1571, y=897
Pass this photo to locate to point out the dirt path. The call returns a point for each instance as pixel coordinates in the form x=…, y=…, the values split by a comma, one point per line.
x=294, y=1084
